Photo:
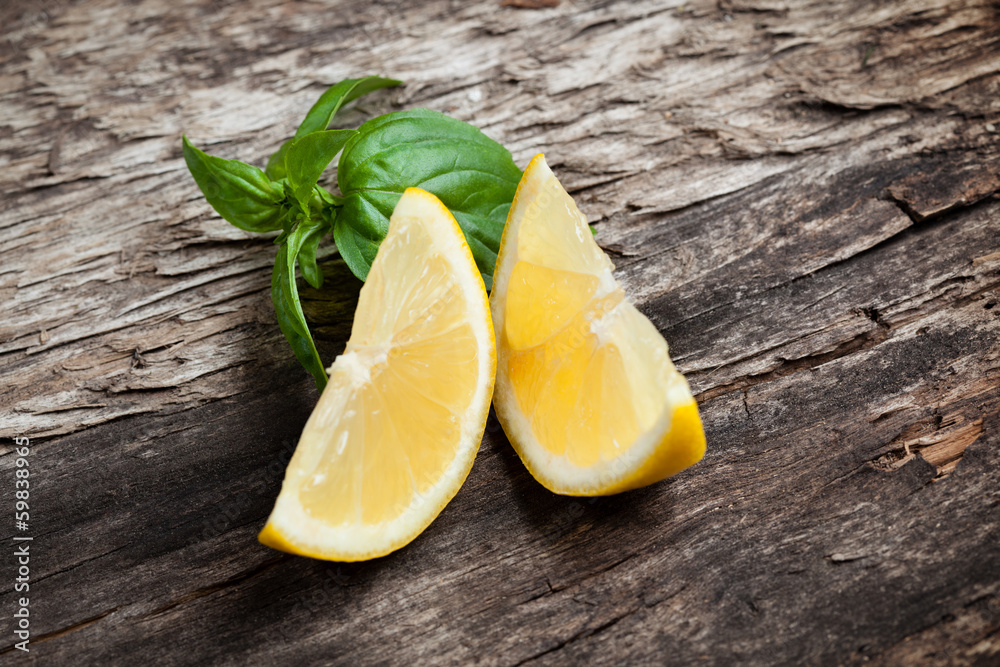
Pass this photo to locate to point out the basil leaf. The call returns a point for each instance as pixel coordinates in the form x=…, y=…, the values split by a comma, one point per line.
x=307, y=256
x=322, y=112
x=474, y=176
x=285, y=295
x=308, y=157
x=275, y=169
x=337, y=95
x=242, y=194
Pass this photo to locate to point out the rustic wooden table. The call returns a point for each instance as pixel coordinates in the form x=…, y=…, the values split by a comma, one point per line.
x=803, y=196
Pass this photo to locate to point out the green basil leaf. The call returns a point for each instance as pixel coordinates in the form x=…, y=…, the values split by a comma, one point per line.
x=242, y=194
x=474, y=176
x=327, y=198
x=285, y=295
x=337, y=95
x=307, y=255
x=275, y=168
x=322, y=112
x=308, y=157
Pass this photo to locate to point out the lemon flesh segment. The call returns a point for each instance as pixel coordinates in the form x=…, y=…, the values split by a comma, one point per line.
x=397, y=428
x=585, y=388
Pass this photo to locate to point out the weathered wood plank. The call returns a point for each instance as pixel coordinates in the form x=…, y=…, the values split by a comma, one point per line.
x=802, y=196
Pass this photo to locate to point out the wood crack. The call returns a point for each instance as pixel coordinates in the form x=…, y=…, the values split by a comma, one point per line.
x=55, y=634
x=235, y=580
x=582, y=634
x=786, y=367
x=64, y=570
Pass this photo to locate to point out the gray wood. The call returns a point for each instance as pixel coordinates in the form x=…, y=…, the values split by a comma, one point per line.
x=803, y=196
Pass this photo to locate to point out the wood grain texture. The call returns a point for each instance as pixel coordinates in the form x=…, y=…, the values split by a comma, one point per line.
x=803, y=196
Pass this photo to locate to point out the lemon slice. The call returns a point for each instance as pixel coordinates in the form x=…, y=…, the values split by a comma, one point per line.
x=585, y=389
x=398, y=426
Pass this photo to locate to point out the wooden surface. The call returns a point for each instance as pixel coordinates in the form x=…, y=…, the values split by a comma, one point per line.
x=803, y=196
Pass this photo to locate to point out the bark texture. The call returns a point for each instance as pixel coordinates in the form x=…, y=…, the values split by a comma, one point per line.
x=803, y=197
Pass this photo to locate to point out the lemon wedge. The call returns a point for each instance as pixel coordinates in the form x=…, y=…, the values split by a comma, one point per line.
x=397, y=428
x=585, y=389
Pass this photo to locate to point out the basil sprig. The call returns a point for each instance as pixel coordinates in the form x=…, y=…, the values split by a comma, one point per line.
x=473, y=176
